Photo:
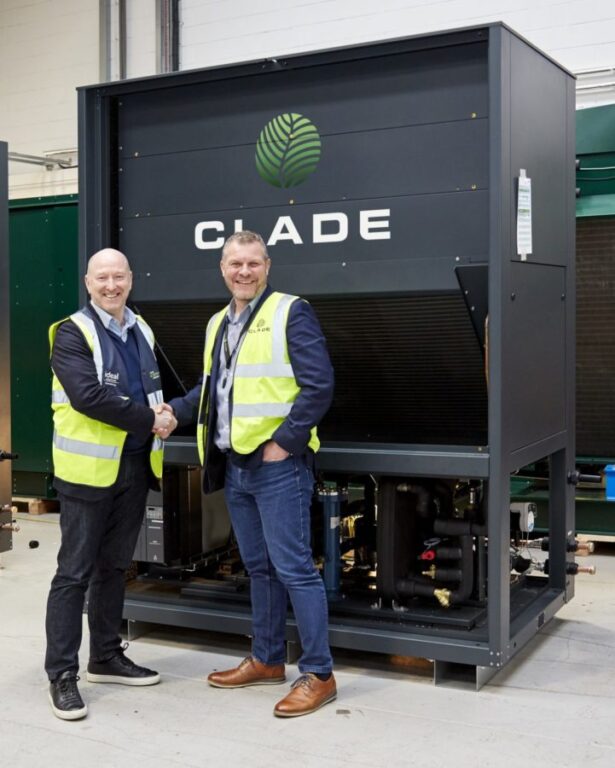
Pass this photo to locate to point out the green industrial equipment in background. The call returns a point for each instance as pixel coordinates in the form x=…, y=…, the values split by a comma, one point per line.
x=596, y=162
x=43, y=285
x=595, y=329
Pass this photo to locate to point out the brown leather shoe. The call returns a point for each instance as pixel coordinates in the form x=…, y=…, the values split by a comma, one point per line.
x=249, y=672
x=307, y=694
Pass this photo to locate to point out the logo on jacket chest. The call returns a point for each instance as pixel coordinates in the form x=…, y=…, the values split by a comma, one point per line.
x=111, y=379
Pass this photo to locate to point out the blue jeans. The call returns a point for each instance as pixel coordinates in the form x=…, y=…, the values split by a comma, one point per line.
x=98, y=543
x=270, y=511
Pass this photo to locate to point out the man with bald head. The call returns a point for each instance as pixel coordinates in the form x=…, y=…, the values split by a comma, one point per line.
x=107, y=452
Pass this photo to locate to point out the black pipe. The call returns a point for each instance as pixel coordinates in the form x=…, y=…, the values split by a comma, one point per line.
x=422, y=494
x=447, y=574
x=448, y=553
x=463, y=592
x=417, y=587
x=458, y=528
x=464, y=575
x=412, y=587
x=481, y=568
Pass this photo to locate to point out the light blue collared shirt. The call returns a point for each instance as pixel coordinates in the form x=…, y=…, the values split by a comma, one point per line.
x=224, y=385
x=111, y=324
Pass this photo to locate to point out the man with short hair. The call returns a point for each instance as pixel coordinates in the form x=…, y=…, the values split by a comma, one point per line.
x=267, y=383
x=106, y=402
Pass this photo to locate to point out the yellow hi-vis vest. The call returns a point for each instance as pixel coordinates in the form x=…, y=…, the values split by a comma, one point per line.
x=87, y=451
x=264, y=385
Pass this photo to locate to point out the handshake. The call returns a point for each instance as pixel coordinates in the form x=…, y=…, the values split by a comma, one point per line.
x=164, y=420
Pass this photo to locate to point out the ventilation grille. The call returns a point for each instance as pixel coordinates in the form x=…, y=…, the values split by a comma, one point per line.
x=408, y=369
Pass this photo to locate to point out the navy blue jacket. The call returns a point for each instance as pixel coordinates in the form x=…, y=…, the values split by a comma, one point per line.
x=313, y=371
x=73, y=364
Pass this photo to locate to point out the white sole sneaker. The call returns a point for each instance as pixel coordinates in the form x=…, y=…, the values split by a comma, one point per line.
x=92, y=678
x=70, y=714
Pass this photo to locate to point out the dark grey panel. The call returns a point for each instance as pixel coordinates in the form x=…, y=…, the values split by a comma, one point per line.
x=428, y=234
x=400, y=161
x=404, y=89
x=536, y=354
x=538, y=144
x=413, y=460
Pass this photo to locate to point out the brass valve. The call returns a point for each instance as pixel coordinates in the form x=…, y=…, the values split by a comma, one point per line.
x=443, y=596
x=430, y=572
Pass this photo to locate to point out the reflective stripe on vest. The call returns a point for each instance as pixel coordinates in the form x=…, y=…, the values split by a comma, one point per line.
x=87, y=451
x=86, y=324
x=213, y=326
x=263, y=370
x=262, y=409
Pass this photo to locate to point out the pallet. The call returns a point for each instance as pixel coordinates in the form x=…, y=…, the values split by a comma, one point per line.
x=36, y=506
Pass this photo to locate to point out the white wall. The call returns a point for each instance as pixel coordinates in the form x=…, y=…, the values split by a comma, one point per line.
x=49, y=47
x=140, y=38
x=578, y=33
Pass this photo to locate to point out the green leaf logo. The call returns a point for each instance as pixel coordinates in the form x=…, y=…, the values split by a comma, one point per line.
x=287, y=150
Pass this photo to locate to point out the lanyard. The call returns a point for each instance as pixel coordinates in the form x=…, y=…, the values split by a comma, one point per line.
x=228, y=355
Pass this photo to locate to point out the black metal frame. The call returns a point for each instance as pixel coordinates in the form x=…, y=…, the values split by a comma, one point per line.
x=508, y=94
x=5, y=353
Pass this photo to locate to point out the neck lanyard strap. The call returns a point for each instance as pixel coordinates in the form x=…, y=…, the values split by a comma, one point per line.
x=228, y=354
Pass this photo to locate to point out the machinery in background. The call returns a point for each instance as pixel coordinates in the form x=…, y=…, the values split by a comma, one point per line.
x=8, y=526
x=181, y=523
x=401, y=553
x=429, y=220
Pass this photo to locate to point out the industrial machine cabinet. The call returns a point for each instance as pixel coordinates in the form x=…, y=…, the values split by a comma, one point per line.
x=420, y=193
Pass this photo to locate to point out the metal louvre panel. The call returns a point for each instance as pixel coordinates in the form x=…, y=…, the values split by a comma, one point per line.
x=408, y=369
x=595, y=405
x=179, y=329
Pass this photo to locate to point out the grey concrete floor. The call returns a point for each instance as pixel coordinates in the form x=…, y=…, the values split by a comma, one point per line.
x=554, y=705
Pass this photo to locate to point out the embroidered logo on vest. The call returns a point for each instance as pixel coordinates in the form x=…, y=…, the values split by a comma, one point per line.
x=260, y=326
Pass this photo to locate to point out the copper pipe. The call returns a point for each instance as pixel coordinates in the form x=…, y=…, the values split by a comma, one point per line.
x=589, y=569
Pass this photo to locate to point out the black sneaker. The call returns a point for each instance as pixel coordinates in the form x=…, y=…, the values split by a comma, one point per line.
x=120, y=669
x=64, y=697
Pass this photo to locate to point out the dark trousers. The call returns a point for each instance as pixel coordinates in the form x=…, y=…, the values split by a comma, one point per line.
x=98, y=543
